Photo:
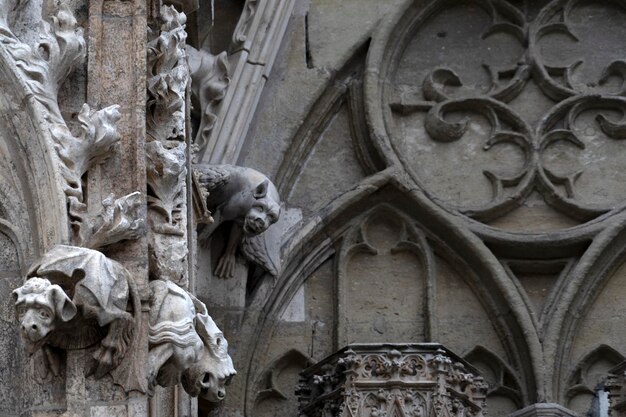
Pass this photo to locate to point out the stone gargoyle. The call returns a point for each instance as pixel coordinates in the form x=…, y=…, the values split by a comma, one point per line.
x=186, y=346
x=249, y=201
x=73, y=298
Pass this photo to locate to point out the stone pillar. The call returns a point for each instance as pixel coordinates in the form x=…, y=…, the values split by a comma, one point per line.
x=116, y=75
x=423, y=379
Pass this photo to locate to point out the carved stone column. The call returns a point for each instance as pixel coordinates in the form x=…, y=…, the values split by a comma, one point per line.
x=116, y=75
x=423, y=379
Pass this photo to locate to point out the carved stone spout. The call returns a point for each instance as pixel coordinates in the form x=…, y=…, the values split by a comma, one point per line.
x=185, y=344
x=249, y=202
x=74, y=298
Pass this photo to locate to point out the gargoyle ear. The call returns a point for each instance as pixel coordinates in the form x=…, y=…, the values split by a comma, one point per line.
x=64, y=308
x=17, y=295
x=261, y=190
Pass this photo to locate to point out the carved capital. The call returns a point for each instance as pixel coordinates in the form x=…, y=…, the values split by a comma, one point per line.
x=387, y=379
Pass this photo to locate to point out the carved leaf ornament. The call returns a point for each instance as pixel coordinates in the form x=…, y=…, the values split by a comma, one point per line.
x=516, y=104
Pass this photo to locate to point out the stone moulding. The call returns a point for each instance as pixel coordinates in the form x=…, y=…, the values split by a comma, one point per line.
x=393, y=380
x=256, y=41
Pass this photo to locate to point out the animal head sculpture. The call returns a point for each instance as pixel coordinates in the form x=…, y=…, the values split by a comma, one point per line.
x=40, y=306
x=213, y=370
x=264, y=209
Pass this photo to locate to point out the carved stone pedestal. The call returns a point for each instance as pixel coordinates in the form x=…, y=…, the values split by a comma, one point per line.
x=544, y=410
x=424, y=380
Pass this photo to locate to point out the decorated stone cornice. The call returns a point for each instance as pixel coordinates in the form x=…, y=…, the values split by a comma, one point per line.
x=425, y=380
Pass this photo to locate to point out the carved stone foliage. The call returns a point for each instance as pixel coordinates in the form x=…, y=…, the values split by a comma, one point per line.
x=120, y=219
x=440, y=112
x=166, y=151
x=185, y=344
x=167, y=78
x=391, y=380
x=247, y=202
x=167, y=211
x=44, y=58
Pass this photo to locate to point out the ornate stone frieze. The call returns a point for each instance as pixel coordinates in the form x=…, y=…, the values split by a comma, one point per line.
x=248, y=202
x=391, y=380
x=185, y=344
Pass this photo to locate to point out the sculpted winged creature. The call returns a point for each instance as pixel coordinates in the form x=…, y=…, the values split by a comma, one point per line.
x=76, y=297
x=249, y=203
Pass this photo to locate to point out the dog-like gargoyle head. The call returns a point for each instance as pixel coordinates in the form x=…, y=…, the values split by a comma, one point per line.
x=39, y=306
x=214, y=369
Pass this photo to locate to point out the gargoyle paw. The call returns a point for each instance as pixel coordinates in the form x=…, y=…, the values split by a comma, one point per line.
x=102, y=363
x=226, y=266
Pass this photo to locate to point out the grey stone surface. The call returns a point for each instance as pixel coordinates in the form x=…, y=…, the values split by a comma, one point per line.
x=448, y=172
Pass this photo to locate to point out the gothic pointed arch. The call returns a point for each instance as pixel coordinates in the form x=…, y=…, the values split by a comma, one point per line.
x=384, y=217
x=585, y=325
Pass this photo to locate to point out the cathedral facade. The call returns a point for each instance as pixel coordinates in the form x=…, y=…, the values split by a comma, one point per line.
x=312, y=208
